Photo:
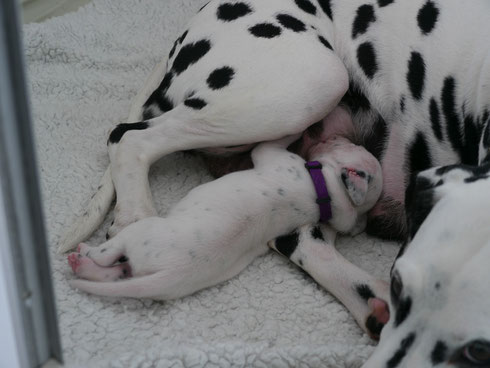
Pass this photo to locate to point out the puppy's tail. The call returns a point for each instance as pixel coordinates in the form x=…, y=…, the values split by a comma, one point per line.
x=149, y=286
x=97, y=208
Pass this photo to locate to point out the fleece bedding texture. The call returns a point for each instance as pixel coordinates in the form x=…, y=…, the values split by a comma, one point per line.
x=84, y=68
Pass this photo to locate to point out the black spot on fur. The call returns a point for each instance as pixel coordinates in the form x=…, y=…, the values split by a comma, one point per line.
x=195, y=103
x=159, y=98
x=300, y=262
x=375, y=141
x=326, y=7
x=374, y=326
x=365, y=292
x=325, y=42
x=403, y=310
x=286, y=244
x=177, y=42
x=366, y=56
x=306, y=6
x=416, y=75
x=427, y=17
x=382, y=3
x=396, y=359
x=123, y=259
x=220, y=78
x=438, y=354
x=290, y=22
x=486, y=135
x=472, y=135
x=355, y=99
x=453, y=126
x=419, y=201
x=190, y=54
x=118, y=132
x=435, y=119
x=419, y=154
x=364, y=17
x=316, y=233
x=231, y=11
x=265, y=30
x=467, y=149
x=402, y=103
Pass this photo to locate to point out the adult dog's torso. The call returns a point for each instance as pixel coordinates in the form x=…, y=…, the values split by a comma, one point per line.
x=419, y=76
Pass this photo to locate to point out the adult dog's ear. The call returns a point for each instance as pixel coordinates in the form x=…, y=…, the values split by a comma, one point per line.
x=356, y=183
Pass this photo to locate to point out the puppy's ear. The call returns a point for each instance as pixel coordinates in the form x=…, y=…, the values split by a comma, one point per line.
x=356, y=183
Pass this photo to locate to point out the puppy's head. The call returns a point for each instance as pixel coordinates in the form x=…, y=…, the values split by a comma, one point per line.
x=354, y=181
x=440, y=301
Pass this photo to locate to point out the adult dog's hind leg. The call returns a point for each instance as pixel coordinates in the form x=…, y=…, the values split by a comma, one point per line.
x=249, y=110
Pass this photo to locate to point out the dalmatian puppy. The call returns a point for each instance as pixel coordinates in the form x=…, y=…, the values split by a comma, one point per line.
x=220, y=227
x=439, y=285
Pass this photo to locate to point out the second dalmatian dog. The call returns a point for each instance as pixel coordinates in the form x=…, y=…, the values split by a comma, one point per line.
x=219, y=228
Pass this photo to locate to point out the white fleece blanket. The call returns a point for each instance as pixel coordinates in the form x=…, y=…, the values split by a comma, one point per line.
x=84, y=69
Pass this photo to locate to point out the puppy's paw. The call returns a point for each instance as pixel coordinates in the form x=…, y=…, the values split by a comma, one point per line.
x=378, y=318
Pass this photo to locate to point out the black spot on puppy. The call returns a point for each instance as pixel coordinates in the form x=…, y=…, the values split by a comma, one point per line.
x=383, y=3
x=366, y=56
x=190, y=54
x=220, y=78
x=290, y=22
x=195, y=103
x=120, y=129
x=374, y=326
x=286, y=244
x=364, y=17
x=306, y=6
x=326, y=7
x=427, y=17
x=265, y=30
x=316, y=233
x=365, y=292
x=439, y=352
x=231, y=11
x=402, y=104
x=416, y=75
x=406, y=343
x=325, y=43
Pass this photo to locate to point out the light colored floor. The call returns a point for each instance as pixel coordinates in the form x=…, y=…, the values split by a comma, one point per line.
x=40, y=10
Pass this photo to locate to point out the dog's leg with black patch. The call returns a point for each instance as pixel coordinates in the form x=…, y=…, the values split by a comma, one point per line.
x=312, y=248
x=484, y=151
x=221, y=118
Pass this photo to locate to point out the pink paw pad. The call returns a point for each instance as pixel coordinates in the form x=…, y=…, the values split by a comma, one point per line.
x=74, y=261
x=378, y=318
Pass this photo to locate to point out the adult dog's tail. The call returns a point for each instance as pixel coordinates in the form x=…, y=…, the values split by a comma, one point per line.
x=97, y=208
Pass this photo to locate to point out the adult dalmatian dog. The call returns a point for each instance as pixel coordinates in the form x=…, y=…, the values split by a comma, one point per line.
x=417, y=77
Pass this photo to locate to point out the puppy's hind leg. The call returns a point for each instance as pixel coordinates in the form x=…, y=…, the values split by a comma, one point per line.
x=85, y=268
x=312, y=249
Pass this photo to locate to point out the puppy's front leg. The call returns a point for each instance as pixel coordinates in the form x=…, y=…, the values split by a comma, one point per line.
x=312, y=249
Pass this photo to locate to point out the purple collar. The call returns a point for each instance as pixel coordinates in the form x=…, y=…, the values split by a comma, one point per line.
x=323, y=200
